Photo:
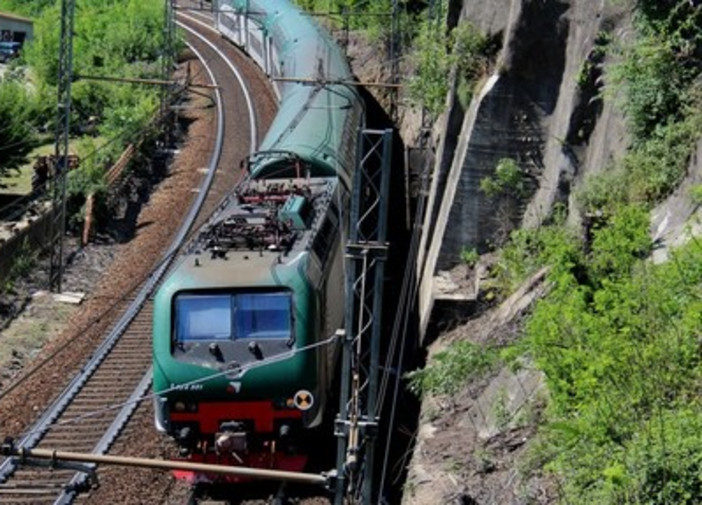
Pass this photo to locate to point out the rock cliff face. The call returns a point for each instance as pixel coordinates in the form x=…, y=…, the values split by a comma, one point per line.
x=544, y=111
x=544, y=107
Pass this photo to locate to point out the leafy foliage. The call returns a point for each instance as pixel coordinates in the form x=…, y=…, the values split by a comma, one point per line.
x=660, y=76
x=429, y=85
x=111, y=38
x=618, y=337
x=649, y=171
x=16, y=111
x=529, y=250
x=622, y=363
x=452, y=368
x=370, y=17
x=617, y=246
x=470, y=256
x=437, y=52
x=508, y=179
x=659, y=68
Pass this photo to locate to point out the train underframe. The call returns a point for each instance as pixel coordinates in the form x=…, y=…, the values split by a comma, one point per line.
x=263, y=436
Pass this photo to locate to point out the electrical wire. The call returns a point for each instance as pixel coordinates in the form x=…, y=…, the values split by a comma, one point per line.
x=408, y=294
x=83, y=329
x=238, y=372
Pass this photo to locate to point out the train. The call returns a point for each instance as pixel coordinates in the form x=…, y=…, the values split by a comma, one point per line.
x=245, y=325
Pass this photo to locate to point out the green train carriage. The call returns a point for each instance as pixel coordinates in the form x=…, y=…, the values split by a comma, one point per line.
x=244, y=347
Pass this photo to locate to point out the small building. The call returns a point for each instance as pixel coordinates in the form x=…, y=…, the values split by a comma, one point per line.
x=15, y=28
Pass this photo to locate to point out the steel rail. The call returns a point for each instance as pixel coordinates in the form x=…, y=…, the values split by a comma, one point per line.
x=35, y=434
x=125, y=413
x=234, y=70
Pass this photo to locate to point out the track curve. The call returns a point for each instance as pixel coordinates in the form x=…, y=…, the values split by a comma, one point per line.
x=86, y=420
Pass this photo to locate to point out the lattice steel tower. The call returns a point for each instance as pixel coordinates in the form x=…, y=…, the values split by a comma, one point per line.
x=63, y=124
x=366, y=252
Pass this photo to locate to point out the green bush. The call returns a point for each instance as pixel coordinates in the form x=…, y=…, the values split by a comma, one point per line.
x=529, y=250
x=429, y=84
x=653, y=84
x=620, y=244
x=508, y=179
x=469, y=256
x=663, y=461
x=452, y=368
x=113, y=38
x=17, y=107
x=436, y=52
x=618, y=347
x=649, y=172
x=658, y=69
x=371, y=18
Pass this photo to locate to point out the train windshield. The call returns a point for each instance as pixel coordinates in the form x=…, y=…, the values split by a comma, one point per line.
x=233, y=316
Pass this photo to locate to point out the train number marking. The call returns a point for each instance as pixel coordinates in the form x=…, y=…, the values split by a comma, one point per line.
x=186, y=387
x=304, y=400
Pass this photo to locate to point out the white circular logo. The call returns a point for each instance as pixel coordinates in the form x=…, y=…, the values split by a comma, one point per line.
x=304, y=400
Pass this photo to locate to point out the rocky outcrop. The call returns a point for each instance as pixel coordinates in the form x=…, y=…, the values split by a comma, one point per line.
x=545, y=111
x=468, y=444
x=543, y=107
x=678, y=218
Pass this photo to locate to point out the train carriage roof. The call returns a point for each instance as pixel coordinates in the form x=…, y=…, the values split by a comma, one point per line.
x=314, y=117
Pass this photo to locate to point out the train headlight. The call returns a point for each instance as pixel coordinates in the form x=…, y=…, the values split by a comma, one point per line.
x=284, y=403
x=181, y=406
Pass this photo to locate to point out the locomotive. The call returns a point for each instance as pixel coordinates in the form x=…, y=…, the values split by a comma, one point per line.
x=244, y=345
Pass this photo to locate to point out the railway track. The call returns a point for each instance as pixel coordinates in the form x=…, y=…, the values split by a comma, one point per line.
x=90, y=413
x=88, y=422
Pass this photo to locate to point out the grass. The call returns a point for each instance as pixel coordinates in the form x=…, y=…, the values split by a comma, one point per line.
x=29, y=333
x=18, y=181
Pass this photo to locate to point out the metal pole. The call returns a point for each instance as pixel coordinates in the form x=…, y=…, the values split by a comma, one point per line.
x=342, y=428
x=366, y=252
x=372, y=408
x=257, y=473
x=63, y=124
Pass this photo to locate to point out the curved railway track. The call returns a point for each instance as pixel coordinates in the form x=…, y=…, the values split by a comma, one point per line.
x=93, y=409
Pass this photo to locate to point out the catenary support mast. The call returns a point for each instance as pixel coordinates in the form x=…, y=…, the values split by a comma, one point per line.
x=63, y=124
x=366, y=252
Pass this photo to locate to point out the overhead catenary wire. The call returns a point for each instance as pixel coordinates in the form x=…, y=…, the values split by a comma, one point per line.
x=408, y=293
x=230, y=372
x=43, y=424
x=167, y=258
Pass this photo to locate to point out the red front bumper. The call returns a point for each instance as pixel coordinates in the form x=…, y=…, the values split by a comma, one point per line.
x=266, y=453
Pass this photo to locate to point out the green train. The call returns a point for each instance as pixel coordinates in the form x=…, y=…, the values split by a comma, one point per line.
x=244, y=325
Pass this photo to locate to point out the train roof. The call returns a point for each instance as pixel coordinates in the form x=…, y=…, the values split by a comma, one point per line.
x=317, y=118
x=262, y=225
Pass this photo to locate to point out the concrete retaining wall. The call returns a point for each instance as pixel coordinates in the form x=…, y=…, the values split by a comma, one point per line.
x=34, y=230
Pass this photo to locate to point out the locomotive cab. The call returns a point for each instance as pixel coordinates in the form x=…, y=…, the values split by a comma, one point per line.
x=244, y=327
